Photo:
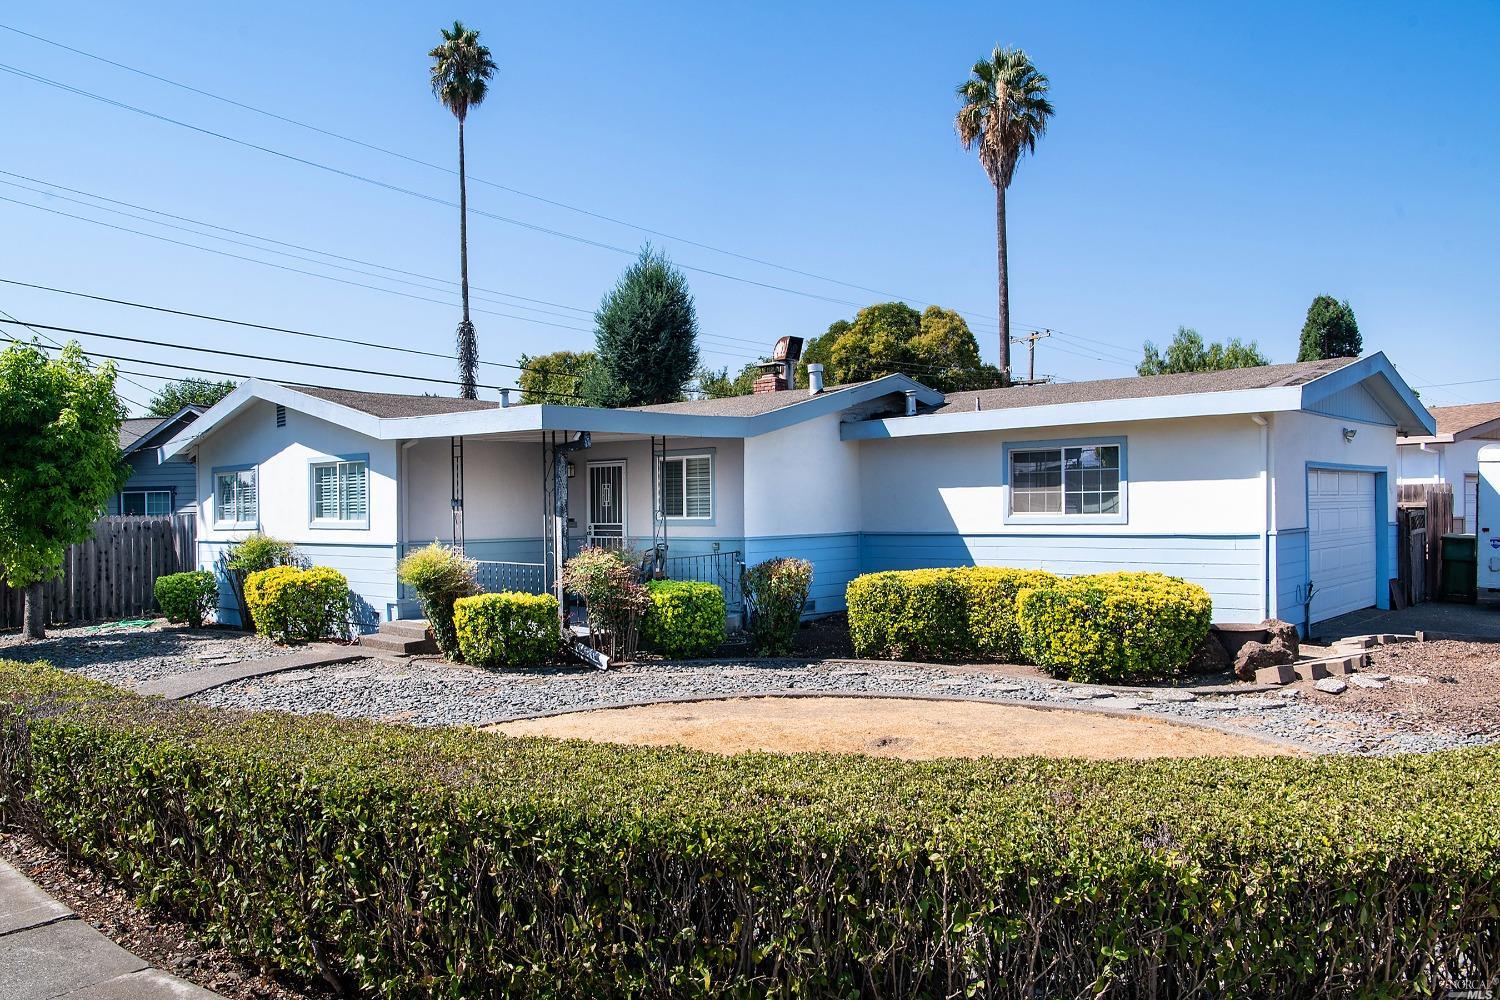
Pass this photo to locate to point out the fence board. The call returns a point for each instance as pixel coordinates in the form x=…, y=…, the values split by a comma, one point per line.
x=113, y=573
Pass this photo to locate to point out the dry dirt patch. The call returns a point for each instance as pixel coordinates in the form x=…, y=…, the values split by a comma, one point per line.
x=891, y=727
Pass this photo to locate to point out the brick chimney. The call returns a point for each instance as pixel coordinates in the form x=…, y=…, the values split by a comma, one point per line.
x=770, y=382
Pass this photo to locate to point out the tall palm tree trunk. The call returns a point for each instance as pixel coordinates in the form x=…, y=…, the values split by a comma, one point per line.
x=468, y=350
x=1002, y=260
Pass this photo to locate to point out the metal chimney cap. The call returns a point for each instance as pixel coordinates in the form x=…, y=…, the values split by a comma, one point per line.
x=504, y=397
x=814, y=379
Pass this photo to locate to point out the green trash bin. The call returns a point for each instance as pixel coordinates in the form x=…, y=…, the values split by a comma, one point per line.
x=1460, y=568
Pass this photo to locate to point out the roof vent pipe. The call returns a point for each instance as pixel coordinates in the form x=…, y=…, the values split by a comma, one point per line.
x=911, y=402
x=504, y=397
x=814, y=379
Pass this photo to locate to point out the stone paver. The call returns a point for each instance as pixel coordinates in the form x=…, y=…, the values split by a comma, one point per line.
x=47, y=953
x=185, y=685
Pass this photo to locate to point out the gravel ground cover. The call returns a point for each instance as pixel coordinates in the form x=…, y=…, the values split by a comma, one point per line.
x=435, y=693
x=131, y=654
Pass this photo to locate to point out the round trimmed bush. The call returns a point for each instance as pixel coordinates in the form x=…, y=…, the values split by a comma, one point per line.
x=939, y=614
x=292, y=605
x=685, y=618
x=1113, y=626
x=509, y=629
x=187, y=598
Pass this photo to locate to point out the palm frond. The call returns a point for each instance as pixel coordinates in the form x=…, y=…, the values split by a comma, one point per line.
x=1003, y=111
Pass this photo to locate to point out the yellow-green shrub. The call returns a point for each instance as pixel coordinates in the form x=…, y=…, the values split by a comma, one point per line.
x=775, y=593
x=939, y=614
x=186, y=598
x=509, y=629
x=1113, y=626
x=685, y=618
x=440, y=575
x=414, y=861
x=289, y=604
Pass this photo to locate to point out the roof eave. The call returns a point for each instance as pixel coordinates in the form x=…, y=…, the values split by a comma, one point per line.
x=1385, y=383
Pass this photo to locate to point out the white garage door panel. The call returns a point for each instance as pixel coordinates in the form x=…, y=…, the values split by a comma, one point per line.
x=1341, y=541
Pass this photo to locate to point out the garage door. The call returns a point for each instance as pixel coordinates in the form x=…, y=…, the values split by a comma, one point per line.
x=1341, y=541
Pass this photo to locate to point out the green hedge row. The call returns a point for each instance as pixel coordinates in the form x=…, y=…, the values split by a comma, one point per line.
x=509, y=629
x=684, y=618
x=939, y=614
x=412, y=862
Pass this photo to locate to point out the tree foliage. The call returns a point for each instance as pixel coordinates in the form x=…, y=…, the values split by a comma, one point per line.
x=173, y=396
x=1188, y=353
x=59, y=461
x=645, y=336
x=557, y=377
x=718, y=384
x=935, y=347
x=1330, y=331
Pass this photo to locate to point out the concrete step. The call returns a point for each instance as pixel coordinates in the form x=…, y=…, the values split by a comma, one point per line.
x=406, y=628
x=387, y=642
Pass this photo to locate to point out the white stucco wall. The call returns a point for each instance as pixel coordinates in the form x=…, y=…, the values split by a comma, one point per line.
x=1185, y=477
x=502, y=490
x=282, y=456
x=1300, y=438
x=728, y=487
x=1443, y=463
x=802, y=480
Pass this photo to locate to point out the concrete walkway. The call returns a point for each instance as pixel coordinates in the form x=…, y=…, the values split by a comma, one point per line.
x=47, y=953
x=175, y=687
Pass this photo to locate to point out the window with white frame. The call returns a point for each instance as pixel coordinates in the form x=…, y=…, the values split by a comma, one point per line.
x=146, y=502
x=340, y=492
x=235, y=497
x=1073, y=479
x=687, y=488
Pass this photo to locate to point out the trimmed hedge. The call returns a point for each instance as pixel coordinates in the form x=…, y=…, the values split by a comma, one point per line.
x=187, y=598
x=1114, y=626
x=685, y=618
x=939, y=614
x=509, y=629
x=405, y=861
x=292, y=605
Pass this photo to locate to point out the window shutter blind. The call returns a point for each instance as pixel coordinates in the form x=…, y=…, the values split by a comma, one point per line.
x=671, y=488
x=698, y=500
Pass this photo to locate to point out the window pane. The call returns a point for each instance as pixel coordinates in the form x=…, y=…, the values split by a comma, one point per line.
x=1073, y=503
x=158, y=502
x=355, y=503
x=325, y=492
x=1110, y=504
x=247, y=496
x=1109, y=456
x=672, y=497
x=698, y=500
x=132, y=503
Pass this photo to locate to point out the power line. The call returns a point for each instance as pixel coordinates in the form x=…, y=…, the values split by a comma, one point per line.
x=478, y=180
x=54, y=343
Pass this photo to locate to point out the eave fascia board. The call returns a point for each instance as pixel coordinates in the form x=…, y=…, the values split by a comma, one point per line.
x=1388, y=387
x=254, y=389
x=1104, y=411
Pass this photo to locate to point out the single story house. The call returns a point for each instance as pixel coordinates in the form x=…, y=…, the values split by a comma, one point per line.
x=156, y=487
x=1258, y=483
x=1450, y=455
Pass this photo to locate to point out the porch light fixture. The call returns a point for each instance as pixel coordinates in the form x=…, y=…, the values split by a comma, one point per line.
x=572, y=470
x=1349, y=433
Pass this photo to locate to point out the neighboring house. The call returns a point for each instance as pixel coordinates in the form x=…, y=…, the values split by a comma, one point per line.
x=1250, y=482
x=155, y=487
x=1451, y=454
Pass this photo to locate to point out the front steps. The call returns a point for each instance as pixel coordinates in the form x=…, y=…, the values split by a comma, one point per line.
x=405, y=637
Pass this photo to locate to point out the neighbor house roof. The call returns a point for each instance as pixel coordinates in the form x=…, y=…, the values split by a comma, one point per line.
x=137, y=432
x=1474, y=420
x=132, y=429
x=743, y=406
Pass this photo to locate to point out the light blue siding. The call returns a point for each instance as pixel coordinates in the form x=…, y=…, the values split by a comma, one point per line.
x=147, y=474
x=1291, y=573
x=836, y=560
x=1227, y=566
x=1353, y=403
x=370, y=569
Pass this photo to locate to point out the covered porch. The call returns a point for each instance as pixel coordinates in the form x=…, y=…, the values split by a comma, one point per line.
x=521, y=503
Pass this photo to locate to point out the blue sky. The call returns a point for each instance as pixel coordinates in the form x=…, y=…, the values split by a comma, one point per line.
x=1208, y=166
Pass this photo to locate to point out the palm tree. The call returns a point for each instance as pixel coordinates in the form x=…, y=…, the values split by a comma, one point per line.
x=1005, y=110
x=461, y=69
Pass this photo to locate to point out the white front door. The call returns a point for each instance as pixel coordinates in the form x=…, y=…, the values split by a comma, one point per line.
x=606, y=502
x=1341, y=534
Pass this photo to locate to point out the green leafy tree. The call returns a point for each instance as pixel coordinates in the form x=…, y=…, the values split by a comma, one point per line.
x=645, y=337
x=1330, y=331
x=187, y=391
x=934, y=346
x=1188, y=353
x=556, y=378
x=819, y=351
x=1004, y=110
x=59, y=463
x=461, y=71
x=719, y=385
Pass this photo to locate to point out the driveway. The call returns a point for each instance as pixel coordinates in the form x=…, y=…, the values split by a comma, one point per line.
x=1469, y=620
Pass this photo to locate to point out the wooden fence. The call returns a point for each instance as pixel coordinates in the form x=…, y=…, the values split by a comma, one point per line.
x=112, y=575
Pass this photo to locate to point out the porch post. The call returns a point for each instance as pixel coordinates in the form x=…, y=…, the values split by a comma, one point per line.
x=456, y=445
x=658, y=518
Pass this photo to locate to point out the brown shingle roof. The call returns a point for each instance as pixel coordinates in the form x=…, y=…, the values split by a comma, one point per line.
x=393, y=404
x=132, y=429
x=1141, y=387
x=1457, y=419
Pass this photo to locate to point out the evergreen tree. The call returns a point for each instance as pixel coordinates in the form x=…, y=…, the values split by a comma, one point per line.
x=1330, y=331
x=645, y=337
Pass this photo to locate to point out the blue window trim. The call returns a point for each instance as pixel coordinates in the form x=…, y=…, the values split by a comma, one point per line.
x=219, y=525
x=712, y=520
x=1123, y=517
x=313, y=523
x=1382, y=524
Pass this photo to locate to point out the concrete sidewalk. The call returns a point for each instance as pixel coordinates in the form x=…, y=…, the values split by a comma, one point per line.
x=47, y=953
